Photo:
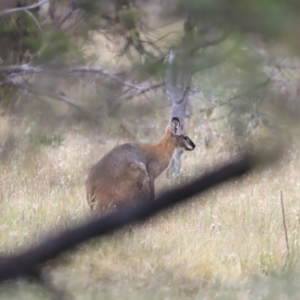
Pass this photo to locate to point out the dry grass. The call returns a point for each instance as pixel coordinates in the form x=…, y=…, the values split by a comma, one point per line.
x=225, y=244
x=212, y=247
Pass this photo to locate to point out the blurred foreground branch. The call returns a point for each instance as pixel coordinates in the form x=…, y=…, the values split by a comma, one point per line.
x=26, y=263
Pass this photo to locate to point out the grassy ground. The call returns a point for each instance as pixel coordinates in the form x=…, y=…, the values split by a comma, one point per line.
x=225, y=244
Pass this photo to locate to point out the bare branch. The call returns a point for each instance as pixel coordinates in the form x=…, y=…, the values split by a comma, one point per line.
x=24, y=8
x=60, y=96
x=145, y=90
x=27, y=262
x=106, y=73
x=24, y=68
x=35, y=20
x=27, y=69
x=66, y=16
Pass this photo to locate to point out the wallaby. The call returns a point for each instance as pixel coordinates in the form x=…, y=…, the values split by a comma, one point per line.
x=126, y=174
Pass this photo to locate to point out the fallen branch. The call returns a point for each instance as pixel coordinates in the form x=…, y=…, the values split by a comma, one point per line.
x=23, y=8
x=27, y=262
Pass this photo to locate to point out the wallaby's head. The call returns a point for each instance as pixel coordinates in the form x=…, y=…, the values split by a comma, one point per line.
x=177, y=134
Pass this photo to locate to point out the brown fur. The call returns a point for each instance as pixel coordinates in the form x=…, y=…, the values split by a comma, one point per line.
x=126, y=174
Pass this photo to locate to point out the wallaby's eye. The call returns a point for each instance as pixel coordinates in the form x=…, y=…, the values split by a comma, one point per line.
x=185, y=138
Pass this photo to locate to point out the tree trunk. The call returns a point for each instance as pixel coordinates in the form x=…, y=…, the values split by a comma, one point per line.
x=178, y=80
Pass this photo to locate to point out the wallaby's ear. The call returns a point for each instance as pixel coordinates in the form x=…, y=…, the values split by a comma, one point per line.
x=175, y=125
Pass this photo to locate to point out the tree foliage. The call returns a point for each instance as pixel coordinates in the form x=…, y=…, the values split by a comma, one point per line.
x=256, y=43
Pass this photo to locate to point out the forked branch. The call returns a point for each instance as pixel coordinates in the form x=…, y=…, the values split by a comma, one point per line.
x=23, y=8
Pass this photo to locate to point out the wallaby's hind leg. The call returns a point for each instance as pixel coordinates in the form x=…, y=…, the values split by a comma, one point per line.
x=138, y=173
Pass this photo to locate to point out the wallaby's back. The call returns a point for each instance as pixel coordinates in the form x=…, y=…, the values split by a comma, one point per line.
x=120, y=176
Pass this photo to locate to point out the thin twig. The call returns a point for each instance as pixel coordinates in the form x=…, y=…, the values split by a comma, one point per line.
x=212, y=230
x=284, y=223
x=64, y=98
x=24, y=8
x=237, y=96
x=66, y=16
x=60, y=96
x=87, y=69
x=141, y=92
x=38, y=25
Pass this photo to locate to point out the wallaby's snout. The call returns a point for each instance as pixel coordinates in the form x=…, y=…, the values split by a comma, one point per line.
x=186, y=143
x=189, y=144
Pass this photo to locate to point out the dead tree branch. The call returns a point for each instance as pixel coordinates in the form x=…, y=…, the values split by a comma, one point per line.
x=38, y=25
x=66, y=16
x=145, y=90
x=16, y=69
x=62, y=97
x=27, y=69
x=85, y=69
x=59, y=96
x=23, y=8
x=27, y=262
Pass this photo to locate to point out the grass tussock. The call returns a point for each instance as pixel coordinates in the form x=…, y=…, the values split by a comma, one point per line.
x=226, y=243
